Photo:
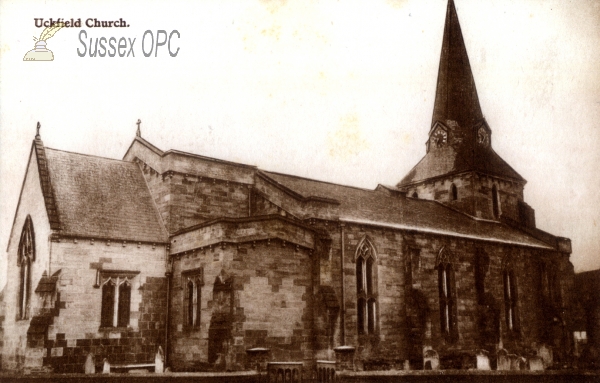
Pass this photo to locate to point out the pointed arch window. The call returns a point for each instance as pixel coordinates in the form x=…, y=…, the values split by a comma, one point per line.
x=510, y=296
x=447, y=294
x=495, y=201
x=366, y=265
x=192, y=282
x=415, y=195
x=25, y=257
x=116, y=296
x=116, y=302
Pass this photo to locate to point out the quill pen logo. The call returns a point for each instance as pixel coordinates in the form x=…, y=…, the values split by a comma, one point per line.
x=40, y=52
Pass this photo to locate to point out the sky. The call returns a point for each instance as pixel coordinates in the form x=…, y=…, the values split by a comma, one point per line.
x=340, y=91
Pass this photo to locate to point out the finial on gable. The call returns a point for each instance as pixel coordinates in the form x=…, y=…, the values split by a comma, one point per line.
x=138, y=132
x=37, y=133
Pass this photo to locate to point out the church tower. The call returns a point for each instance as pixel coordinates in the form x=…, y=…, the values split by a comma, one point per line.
x=460, y=168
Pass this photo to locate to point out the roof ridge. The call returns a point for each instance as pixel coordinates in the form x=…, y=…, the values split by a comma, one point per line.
x=314, y=180
x=90, y=155
x=462, y=212
x=175, y=151
x=507, y=164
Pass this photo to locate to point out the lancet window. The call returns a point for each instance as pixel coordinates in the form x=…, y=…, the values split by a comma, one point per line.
x=366, y=288
x=25, y=257
x=192, y=281
x=447, y=294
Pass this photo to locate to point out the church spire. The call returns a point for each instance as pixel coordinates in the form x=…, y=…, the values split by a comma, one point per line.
x=459, y=139
x=456, y=96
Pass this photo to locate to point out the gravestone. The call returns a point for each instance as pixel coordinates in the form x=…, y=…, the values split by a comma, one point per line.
x=159, y=361
x=106, y=367
x=503, y=360
x=514, y=362
x=546, y=354
x=90, y=364
x=483, y=360
x=536, y=363
x=431, y=360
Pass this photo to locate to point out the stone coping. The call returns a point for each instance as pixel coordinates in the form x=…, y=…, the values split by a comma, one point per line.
x=345, y=349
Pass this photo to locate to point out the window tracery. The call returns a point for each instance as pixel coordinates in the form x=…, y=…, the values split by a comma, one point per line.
x=510, y=295
x=193, y=281
x=25, y=257
x=447, y=294
x=366, y=288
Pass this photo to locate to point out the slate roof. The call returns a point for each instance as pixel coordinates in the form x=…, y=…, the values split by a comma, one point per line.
x=47, y=284
x=447, y=160
x=101, y=197
x=377, y=207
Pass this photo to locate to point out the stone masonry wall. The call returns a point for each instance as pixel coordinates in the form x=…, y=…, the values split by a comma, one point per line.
x=259, y=205
x=190, y=189
x=272, y=303
x=389, y=340
x=76, y=329
x=195, y=200
x=392, y=342
x=15, y=353
x=474, y=194
x=470, y=334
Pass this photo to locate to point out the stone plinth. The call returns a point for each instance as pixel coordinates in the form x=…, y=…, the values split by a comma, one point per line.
x=344, y=358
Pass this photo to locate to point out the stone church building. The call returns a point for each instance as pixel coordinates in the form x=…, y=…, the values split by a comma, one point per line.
x=209, y=259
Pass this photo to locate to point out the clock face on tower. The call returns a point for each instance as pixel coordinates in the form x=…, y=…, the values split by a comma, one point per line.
x=483, y=138
x=439, y=138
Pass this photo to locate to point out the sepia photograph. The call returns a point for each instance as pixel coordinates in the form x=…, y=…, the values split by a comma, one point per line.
x=300, y=191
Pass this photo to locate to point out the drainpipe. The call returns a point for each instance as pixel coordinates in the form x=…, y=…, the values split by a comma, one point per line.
x=249, y=200
x=49, y=254
x=169, y=275
x=343, y=313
